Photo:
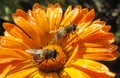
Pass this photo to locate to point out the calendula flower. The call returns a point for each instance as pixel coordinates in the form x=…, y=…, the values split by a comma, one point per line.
x=50, y=43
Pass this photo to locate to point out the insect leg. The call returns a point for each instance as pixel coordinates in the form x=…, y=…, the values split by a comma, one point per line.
x=53, y=59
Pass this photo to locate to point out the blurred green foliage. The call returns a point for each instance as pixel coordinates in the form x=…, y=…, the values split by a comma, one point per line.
x=8, y=7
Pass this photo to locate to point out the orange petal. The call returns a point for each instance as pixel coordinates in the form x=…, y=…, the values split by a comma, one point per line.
x=87, y=19
x=39, y=18
x=75, y=73
x=92, y=45
x=9, y=53
x=106, y=28
x=10, y=59
x=98, y=53
x=5, y=71
x=100, y=38
x=77, y=19
x=49, y=9
x=67, y=20
x=36, y=6
x=93, y=68
x=105, y=49
x=84, y=12
x=13, y=43
x=21, y=13
x=63, y=74
x=23, y=73
x=22, y=66
x=67, y=11
x=37, y=74
x=28, y=29
x=72, y=56
x=54, y=14
x=18, y=33
x=14, y=63
x=102, y=56
x=13, y=54
x=92, y=28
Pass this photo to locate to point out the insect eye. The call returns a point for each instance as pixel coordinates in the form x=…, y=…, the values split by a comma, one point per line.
x=74, y=27
x=54, y=54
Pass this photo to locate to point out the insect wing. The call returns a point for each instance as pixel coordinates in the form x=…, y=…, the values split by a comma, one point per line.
x=37, y=54
x=34, y=51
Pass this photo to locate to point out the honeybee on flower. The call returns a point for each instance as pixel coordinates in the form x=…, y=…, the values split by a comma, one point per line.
x=41, y=55
x=62, y=32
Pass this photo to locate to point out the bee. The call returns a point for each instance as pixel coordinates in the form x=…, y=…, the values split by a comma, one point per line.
x=62, y=32
x=40, y=55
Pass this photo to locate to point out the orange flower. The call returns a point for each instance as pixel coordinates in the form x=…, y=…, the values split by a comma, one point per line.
x=40, y=46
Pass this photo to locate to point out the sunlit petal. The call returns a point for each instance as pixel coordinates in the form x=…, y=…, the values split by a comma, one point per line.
x=22, y=73
x=68, y=19
x=54, y=14
x=75, y=73
x=36, y=74
x=86, y=20
x=27, y=28
x=5, y=71
x=39, y=18
x=92, y=67
x=16, y=43
x=18, y=33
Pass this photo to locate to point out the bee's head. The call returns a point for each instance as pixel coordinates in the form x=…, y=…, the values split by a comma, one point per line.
x=50, y=53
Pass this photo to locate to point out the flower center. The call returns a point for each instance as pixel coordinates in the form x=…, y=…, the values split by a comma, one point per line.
x=53, y=61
